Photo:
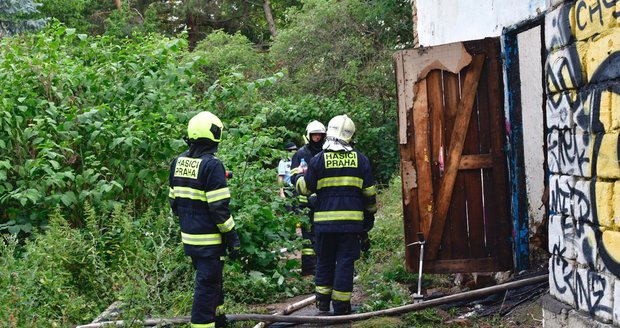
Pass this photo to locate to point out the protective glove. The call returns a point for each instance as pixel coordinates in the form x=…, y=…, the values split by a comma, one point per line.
x=369, y=221
x=364, y=242
x=313, y=200
x=233, y=244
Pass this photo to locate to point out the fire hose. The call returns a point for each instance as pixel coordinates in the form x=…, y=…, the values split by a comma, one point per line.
x=345, y=318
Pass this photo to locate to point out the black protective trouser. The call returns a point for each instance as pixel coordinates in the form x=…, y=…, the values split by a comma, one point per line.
x=336, y=256
x=208, y=291
x=308, y=255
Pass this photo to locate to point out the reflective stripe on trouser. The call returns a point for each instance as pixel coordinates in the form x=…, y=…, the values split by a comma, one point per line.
x=323, y=297
x=208, y=292
x=308, y=255
x=336, y=255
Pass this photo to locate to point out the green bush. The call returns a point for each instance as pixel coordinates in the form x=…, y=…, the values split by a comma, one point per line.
x=97, y=120
x=78, y=130
x=66, y=275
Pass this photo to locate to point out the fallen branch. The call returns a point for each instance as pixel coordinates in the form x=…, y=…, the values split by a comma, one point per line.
x=291, y=308
x=105, y=315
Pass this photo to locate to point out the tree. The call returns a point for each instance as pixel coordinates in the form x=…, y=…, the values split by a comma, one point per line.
x=16, y=17
x=335, y=46
x=269, y=18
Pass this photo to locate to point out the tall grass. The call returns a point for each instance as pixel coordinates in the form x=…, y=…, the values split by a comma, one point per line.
x=382, y=274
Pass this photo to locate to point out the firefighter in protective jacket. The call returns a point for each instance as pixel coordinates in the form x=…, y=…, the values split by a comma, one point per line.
x=199, y=195
x=346, y=203
x=315, y=134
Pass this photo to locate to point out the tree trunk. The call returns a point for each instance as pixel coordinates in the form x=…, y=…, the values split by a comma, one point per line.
x=269, y=18
x=118, y=4
x=192, y=33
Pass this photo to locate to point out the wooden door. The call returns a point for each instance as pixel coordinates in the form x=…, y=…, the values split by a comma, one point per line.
x=453, y=166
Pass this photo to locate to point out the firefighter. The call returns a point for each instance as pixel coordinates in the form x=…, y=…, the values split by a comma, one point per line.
x=199, y=195
x=315, y=135
x=346, y=203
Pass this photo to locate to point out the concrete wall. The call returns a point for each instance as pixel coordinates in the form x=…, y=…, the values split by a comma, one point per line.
x=447, y=21
x=582, y=77
x=530, y=75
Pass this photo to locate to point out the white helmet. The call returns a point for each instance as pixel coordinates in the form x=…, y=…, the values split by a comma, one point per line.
x=314, y=127
x=341, y=127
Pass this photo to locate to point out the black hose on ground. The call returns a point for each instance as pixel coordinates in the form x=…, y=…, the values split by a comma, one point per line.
x=351, y=317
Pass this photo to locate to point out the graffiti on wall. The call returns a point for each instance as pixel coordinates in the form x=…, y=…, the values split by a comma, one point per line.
x=584, y=287
x=582, y=77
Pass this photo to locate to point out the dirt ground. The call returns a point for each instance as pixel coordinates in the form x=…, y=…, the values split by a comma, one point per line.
x=528, y=315
x=519, y=309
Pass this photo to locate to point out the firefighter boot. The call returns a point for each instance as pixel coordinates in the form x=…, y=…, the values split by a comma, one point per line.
x=322, y=302
x=342, y=307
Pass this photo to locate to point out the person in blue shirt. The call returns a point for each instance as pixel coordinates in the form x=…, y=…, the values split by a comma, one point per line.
x=284, y=169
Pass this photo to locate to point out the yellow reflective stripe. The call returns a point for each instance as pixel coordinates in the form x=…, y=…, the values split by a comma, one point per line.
x=203, y=325
x=341, y=296
x=303, y=199
x=226, y=226
x=187, y=192
x=325, y=290
x=218, y=194
x=370, y=191
x=344, y=181
x=339, y=216
x=171, y=193
x=301, y=186
x=295, y=171
x=307, y=251
x=371, y=208
x=201, y=240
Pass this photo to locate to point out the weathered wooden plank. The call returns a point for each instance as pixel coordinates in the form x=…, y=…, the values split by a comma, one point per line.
x=403, y=96
x=474, y=162
x=422, y=156
x=457, y=220
x=406, y=147
x=436, y=113
x=490, y=206
x=497, y=133
x=454, y=156
x=410, y=207
x=473, y=178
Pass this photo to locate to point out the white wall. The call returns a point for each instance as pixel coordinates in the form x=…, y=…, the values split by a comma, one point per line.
x=532, y=113
x=447, y=21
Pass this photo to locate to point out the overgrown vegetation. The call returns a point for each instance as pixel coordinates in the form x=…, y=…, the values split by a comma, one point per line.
x=93, y=109
x=382, y=274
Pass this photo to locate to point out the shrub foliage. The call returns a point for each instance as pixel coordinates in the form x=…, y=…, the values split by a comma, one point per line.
x=89, y=127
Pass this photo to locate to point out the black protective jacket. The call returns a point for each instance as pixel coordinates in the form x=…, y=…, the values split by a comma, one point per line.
x=199, y=195
x=345, y=188
x=307, y=152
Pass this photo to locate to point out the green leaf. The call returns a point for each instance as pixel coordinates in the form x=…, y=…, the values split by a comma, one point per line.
x=256, y=275
x=116, y=141
x=55, y=164
x=68, y=198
